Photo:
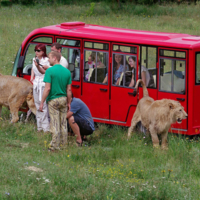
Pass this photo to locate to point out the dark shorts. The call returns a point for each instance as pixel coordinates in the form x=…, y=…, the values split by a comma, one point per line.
x=84, y=126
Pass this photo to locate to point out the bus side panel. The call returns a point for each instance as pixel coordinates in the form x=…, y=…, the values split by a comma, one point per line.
x=194, y=97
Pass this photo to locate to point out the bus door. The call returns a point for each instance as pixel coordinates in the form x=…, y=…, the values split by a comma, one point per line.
x=71, y=51
x=148, y=65
x=122, y=80
x=95, y=90
x=173, y=79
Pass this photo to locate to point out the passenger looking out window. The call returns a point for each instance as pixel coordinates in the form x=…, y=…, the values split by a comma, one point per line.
x=118, y=69
x=95, y=67
x=145, y=76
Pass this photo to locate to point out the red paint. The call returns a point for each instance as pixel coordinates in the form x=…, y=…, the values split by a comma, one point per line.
x=115, y=105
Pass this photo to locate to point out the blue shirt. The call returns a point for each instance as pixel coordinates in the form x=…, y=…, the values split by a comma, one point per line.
x=79, y=108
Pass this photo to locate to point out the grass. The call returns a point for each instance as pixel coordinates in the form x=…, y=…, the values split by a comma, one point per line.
x=108, y=166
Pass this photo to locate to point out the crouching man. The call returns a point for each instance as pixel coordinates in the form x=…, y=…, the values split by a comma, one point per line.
x=80, y=120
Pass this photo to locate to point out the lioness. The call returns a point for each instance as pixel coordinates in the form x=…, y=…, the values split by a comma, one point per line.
x=156, y=116
x=14, y=92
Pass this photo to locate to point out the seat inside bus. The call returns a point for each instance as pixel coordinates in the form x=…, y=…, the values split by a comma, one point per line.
x=101, y=73
x=178, y=81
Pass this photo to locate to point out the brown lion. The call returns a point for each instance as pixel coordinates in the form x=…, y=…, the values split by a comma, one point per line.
x=14, y=92
x=156, y=116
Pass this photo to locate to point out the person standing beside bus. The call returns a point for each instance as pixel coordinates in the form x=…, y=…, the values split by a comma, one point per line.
x=57, y=93
x=38, y=87
x=58, y=47
x=145, y=76
x=118, y=68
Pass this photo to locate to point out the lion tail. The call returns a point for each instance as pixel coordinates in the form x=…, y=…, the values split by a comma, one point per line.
x=145, y=91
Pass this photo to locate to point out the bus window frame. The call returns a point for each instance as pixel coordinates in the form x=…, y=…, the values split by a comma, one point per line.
x=70, y=38
x=96, y=50
x=107, y=52
x=124, y=53
x=197, y=52
x=171, y=58
x=157, y=61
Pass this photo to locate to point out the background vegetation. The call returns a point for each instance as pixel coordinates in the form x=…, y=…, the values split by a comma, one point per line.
x=108, y=166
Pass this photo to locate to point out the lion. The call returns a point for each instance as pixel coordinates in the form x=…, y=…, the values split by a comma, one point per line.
x=156, y=116
x=14, y=92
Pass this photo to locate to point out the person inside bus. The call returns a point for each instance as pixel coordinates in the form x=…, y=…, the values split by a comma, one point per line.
x=118, y=68
x=39, y=85
x=80, y=121
x=145, y=76
x=99, y=63
x=91, y=65
x=58, y=47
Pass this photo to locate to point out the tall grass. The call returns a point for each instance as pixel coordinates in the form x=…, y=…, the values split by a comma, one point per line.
x=108, y=166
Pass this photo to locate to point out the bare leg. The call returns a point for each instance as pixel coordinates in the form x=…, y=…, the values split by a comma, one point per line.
x=74, y=126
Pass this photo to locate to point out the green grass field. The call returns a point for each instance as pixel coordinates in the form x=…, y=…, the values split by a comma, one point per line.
x=107, y=166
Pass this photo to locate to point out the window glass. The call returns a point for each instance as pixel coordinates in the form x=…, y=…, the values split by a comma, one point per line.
x=67, y=42
x=170, y=53
x=124, y=70
x=96, y=45
x=148, y=69
x=125, y=49
x=43, y=40
x=73, y=58
x=172, y=75
x=28, y=60
x=96, y=66
x=198, y=68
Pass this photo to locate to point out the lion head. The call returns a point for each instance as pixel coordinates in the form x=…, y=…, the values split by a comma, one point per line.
x=177, y=111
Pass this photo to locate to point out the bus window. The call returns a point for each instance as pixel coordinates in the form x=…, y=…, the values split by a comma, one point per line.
x=148, y=64
x=124, y=70
x=43, y=40
x=67, y=42
x=198, y=68
x=73, y=58
x=172, y=75
x=95, y=67
x=28, y=61
x=30, y=54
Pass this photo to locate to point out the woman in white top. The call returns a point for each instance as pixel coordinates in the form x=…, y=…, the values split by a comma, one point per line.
x=144, y=72
x=38, y=87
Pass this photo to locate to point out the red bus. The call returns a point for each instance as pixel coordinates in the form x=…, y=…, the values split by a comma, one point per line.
x=172, y=61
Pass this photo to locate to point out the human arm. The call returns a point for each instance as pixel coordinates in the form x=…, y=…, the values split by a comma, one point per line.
x=117, y=82
x=105, y=79
x=32, y=75
x=69, y=114
x=69, y=96
x=132, y=83
x=143, y=76
x=40, y=69
x=45, y=95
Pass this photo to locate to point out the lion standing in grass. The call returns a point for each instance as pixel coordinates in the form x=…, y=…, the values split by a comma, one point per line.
x=156, y=116
x=14, y=92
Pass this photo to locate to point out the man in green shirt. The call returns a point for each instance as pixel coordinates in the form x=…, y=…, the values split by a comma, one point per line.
x=57, y=94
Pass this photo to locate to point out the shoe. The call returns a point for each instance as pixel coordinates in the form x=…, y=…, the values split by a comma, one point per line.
x=79, y=144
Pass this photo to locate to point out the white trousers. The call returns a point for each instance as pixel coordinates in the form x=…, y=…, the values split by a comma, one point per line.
x=42, y=117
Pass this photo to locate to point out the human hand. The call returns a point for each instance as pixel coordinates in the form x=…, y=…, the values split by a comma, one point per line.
x=41, y=107
x=36, y=64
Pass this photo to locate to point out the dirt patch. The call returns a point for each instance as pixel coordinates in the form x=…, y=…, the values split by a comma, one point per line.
x=35, y=169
